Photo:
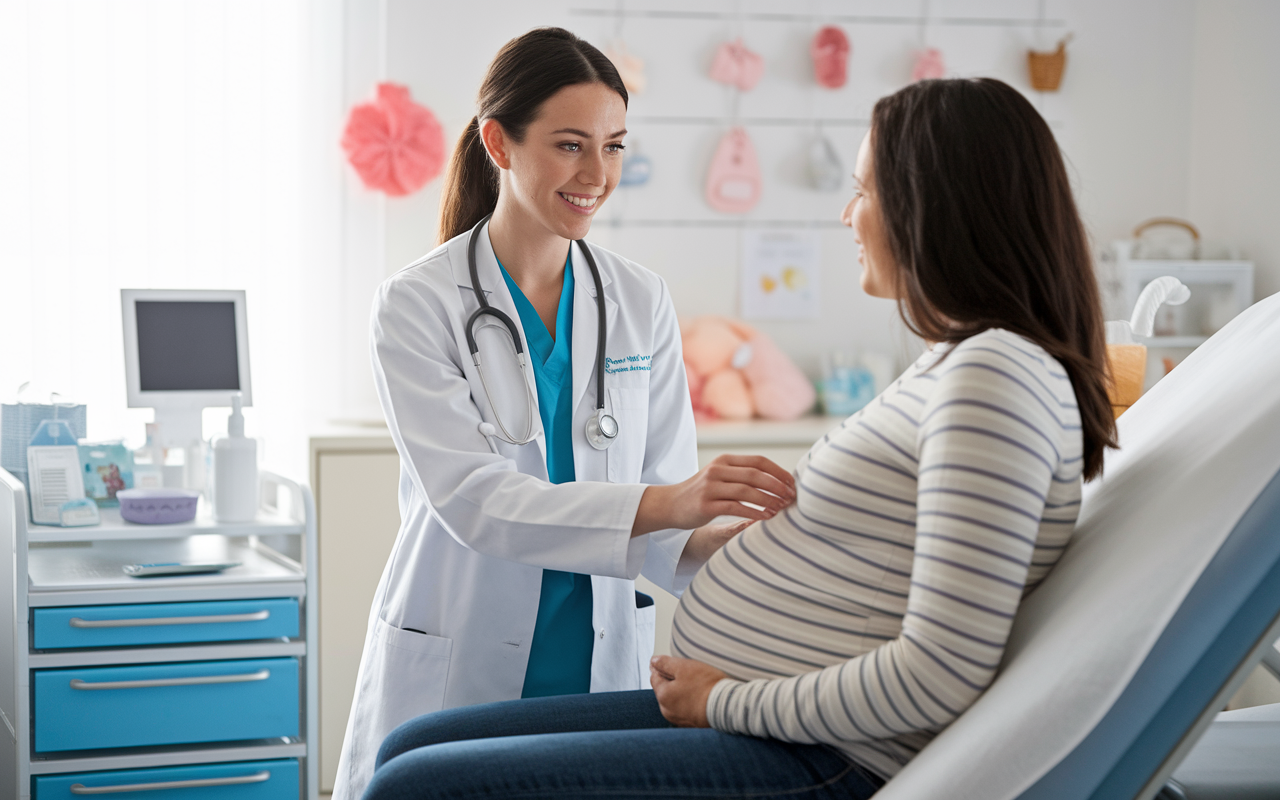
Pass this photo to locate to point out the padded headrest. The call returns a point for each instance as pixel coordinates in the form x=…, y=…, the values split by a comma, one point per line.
x=1196, y=453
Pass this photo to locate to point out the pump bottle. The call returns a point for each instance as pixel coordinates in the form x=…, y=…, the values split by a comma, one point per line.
x=235, y=471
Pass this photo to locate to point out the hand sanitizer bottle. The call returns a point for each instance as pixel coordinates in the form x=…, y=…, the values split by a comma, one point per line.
x=235, y=471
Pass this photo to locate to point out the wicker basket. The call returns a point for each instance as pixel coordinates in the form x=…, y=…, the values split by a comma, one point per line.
x=1046, y=68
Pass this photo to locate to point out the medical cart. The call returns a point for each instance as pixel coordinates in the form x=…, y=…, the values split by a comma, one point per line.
x=196, y=684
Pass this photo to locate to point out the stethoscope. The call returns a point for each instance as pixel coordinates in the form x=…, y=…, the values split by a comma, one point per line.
x=602, y=428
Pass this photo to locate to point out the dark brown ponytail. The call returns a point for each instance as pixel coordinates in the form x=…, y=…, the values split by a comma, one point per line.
x=524, y=74
x=981, y=220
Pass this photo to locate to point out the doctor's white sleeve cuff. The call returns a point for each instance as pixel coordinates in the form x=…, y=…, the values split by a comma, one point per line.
x=677, y=571
x=635, y=548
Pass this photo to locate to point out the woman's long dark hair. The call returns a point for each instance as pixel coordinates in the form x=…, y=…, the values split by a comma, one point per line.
x=981, y=221
x=525, y=72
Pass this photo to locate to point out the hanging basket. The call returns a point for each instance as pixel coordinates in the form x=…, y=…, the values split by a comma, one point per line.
x=1046, y=68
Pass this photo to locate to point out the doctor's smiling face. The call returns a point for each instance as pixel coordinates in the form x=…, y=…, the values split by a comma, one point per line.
x=567, y=163
x=863, y=214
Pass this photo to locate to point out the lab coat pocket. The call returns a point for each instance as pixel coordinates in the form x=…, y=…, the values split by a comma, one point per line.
x=646, y=632
x=630, y=407
x=405, y=677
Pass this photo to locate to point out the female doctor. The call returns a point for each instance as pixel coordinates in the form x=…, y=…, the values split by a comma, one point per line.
x=546, y=459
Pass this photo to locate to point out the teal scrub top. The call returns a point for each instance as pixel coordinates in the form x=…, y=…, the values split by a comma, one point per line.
x=560, y=654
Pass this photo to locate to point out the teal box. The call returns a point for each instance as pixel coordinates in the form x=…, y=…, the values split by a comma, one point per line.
x=164, y=623
x=242, y=780
x=108, y=468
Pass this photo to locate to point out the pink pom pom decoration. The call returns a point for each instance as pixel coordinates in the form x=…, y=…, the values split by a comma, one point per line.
x=929, y=64
x=830, y=52
x=395, y=145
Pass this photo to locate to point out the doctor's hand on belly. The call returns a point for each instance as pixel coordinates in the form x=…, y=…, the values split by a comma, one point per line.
x=752, y=487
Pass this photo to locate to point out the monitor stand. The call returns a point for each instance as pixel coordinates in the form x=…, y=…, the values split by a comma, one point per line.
x=183, y=429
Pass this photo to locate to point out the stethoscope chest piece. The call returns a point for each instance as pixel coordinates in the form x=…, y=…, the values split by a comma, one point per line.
x=602, y=429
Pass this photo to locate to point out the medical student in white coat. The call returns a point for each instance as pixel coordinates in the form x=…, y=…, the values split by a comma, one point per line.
x=512, y=575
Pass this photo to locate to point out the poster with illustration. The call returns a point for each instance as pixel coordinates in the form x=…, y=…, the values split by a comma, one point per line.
x=780, y=271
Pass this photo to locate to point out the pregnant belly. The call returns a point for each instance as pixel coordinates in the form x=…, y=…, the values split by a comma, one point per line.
x=760, y=609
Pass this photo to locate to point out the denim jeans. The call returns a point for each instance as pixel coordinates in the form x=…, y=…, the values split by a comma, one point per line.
x=611, y=745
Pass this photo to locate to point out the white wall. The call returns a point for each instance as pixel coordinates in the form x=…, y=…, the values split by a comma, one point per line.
x=1234, y=181
x=170, y=145
x=1135, y=116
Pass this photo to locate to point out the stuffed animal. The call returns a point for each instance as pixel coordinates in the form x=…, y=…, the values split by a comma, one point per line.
x=736, y=372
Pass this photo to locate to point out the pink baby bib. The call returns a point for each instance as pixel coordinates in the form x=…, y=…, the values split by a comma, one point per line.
x=733, y=182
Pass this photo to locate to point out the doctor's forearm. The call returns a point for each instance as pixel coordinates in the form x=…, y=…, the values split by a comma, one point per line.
x=654, y=510
x=751, y=487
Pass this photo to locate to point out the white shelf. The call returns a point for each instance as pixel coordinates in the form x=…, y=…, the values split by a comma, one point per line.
x=113, y=527
x=51, y=659
x=1174, y=341
x=800, y=432
x=99, y=564
x=169, y=757
x=185, y=593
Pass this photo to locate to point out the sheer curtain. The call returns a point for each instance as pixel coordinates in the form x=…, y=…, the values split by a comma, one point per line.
x=170, y=144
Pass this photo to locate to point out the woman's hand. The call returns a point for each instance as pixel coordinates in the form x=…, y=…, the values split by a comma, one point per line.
x=705, y=541
x=723, y=488
x=683, y=686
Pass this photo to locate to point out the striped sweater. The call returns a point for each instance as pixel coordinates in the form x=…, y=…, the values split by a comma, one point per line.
x=874, y=610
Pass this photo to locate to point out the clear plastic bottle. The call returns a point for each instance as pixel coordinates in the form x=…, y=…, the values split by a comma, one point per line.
x=235, y=471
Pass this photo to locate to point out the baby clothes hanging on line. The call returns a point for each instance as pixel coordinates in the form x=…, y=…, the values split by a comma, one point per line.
x=630, y=67
x=735, y=65
x=830, y=52
x=825, y=170
x=733, y=182
x=636, y=167
x=929, y=64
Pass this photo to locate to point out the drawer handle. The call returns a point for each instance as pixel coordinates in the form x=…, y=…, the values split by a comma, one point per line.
x=257, y=777
x=256, y=616
x=85, y=686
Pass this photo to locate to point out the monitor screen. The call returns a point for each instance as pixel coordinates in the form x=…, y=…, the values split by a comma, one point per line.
x=187, y=346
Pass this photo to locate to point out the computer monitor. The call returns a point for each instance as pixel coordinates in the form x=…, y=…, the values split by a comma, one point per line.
x=184, y=350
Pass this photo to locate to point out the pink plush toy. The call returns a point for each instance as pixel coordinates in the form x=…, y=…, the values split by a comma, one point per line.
x=736, y=372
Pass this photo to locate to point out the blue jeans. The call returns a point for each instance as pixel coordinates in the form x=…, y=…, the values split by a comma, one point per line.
x=613, y=745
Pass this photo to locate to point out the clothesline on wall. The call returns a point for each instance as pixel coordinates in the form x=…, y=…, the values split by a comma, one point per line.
x=781, y=122
x=851, y=19
x=807, y=122
x=720, y=223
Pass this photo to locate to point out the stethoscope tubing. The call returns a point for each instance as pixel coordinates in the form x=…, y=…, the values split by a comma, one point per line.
x=487, y=310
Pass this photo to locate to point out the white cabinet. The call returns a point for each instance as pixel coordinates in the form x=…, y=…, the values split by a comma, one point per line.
x=1219, y=291
x=197, y=678
x=356, y=476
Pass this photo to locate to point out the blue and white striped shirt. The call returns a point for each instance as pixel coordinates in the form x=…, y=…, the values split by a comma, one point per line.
x=873, y=611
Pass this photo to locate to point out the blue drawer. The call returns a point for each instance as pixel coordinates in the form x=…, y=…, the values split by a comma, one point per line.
x=87, y=708
x=164, y=623
x=248, y=780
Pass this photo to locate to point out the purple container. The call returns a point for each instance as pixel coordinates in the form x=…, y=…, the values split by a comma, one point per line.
x=158, y=506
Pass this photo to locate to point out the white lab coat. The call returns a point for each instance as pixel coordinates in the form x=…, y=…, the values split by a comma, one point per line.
x=454, y=612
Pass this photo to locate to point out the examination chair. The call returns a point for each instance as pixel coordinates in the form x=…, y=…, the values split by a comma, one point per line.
x=1165, y=601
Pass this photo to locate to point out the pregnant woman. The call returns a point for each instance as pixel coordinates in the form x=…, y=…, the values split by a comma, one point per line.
x=819, y=651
